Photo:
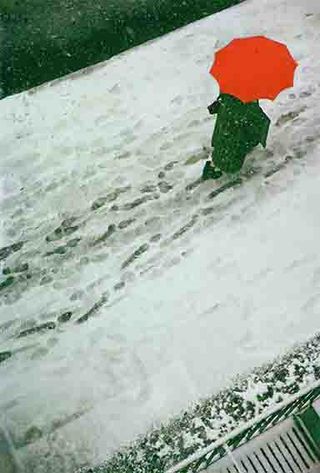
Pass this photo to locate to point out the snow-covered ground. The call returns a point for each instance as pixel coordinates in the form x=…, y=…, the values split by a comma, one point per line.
x=130, y=289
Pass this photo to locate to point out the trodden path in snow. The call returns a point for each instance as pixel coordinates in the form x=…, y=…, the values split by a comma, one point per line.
x=130, y=288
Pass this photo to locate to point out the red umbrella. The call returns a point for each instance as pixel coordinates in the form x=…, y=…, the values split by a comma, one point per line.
x=254, y=68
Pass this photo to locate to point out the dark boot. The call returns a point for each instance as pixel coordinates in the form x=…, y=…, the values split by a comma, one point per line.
x=210, y=172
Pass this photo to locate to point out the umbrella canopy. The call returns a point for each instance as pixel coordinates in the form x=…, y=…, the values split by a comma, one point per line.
x=254, y=68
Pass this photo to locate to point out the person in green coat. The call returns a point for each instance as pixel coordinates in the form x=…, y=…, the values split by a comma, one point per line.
x=239, y=128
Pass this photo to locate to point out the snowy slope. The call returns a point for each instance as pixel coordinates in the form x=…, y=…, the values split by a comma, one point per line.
x=134, y=290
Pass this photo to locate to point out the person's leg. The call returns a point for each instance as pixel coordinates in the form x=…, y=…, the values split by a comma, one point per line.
x=210, y=171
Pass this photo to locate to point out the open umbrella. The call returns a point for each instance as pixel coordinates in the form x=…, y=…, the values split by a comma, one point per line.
x=254, y=68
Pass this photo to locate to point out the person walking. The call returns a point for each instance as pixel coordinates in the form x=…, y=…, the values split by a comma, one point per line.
x=239, y=128
x=247, y=69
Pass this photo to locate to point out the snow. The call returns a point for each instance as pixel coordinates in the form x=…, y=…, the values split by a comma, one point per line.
x=237, y=288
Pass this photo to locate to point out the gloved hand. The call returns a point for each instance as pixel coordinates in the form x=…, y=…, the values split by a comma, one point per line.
x=213, y=108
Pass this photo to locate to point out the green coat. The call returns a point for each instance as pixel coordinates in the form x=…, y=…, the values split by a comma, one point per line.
x=239, y=128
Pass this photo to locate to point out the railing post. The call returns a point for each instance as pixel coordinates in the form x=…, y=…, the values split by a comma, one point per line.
x=232, y=458
x=8, y=459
